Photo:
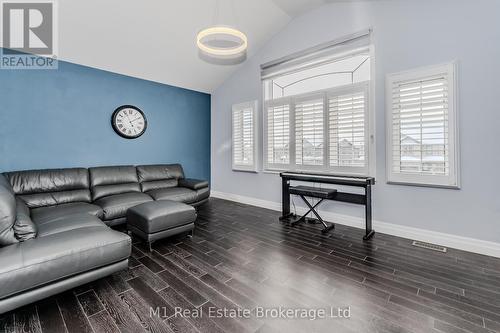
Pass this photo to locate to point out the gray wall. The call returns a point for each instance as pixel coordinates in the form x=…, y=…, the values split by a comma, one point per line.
x=407, y=34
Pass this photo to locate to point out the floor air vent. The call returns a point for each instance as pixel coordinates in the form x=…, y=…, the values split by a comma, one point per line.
x=429, y=246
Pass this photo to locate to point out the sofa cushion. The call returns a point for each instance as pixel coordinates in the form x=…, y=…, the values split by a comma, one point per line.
x=159, y=176
x=106, y=190
x=112, y=180
x=27, y=265
x=66, y=223
x=115, y=222
x=193, y=184
x=180, y=194
x=109, y=175
x=202, y=194
x=157, y=184
x=39, y=188
x=24, y=228
x=115, y=206
x=55, y=198
x=7, y=213
x=43, y=214
x=153, y=172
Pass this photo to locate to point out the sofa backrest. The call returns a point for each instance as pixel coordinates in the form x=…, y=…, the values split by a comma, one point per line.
x=40, y=188
x=157, y=176
x=112, y=180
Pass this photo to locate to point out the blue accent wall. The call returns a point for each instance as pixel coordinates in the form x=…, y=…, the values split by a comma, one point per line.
x=62, y=118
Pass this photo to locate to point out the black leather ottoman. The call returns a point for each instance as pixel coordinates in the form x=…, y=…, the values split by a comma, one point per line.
x=156, y=220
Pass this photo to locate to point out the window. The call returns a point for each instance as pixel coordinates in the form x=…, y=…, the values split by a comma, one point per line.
x=309, y=128
x=347, y=132
x=316, y=114
x=244, y=136
x=422, y=142
x=278, y=133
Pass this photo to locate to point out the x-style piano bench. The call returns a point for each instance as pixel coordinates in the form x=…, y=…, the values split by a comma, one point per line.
x=314, y=192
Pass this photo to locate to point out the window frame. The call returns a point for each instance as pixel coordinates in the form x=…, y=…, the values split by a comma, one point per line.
x=370, y=153
x=240, y=107
x=452, y=180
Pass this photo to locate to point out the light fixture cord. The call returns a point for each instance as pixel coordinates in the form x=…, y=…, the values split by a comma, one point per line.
x=216, y=19
x=235, y=14
x=216, y=13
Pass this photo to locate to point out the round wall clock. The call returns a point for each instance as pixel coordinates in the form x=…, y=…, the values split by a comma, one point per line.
x=129, y=122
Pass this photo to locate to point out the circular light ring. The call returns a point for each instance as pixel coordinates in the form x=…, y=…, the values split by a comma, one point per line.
x=220, y=30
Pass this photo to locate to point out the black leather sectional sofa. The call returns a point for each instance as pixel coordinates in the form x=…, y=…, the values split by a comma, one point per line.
x=55, y=224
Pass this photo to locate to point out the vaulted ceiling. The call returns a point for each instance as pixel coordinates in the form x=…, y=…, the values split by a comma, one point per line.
x=155, y=39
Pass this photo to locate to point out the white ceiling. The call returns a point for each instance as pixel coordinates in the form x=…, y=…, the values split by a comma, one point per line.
x=155, y=39
x=297, y=7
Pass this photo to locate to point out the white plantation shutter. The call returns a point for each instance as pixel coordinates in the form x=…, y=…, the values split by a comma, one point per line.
x=243, y=140
x=421, y=122
x=309, y=128
x=325, y=131
x=278, y=134
x=347, y=114
x=243, y=137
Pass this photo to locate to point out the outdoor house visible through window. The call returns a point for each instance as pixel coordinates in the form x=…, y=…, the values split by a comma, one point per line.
x=244, y=136
x=316, y=109
x=422, y=141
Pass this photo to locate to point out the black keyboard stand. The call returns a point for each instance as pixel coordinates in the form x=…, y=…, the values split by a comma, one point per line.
x=326, y=194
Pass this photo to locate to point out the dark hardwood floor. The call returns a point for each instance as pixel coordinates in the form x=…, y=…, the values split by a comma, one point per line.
x=242, y=257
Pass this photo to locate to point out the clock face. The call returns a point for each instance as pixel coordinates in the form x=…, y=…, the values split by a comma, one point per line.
x=129, y=122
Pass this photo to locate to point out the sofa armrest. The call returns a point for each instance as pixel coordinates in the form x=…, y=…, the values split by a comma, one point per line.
x=193, y=184
x=24, y=228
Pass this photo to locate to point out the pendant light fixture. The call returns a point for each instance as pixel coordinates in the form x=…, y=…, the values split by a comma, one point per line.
x=222, y=41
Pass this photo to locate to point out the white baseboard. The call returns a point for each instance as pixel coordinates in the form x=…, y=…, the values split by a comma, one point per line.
x=448, y=240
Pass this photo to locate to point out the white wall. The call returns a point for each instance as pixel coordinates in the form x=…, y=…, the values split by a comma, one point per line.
x=407, y=34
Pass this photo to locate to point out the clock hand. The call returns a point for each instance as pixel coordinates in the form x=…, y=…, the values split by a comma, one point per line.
x=128, y=118
x=138, y=118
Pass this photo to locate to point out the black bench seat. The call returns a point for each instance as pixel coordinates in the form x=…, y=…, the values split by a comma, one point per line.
x=315, y=192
